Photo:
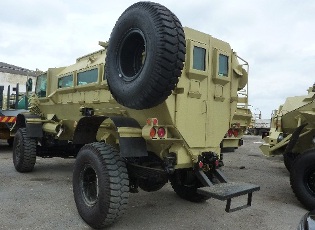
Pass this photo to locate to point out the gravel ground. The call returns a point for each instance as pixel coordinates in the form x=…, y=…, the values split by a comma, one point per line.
x=43, y=199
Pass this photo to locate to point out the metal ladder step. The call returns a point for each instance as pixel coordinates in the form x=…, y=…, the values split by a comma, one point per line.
x=229, y=190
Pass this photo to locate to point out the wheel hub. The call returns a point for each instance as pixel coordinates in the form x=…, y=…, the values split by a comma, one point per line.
x=89, y=185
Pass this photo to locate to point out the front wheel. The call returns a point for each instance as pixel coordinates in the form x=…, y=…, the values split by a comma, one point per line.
x=288, y=159
x=24, y=151
x=100, y=185
x=302, y=178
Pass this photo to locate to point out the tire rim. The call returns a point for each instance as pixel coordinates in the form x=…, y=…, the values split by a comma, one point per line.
x=89, y=185
x=310, y=181
x=132, y=55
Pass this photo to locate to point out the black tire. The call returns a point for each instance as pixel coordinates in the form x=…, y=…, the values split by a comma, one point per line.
x=100, y=185
x=156, y=182
x=145, y=55
x=185, y=185
x=151, y=185
x=302, y=178
x=288, y=159
x=24, y=151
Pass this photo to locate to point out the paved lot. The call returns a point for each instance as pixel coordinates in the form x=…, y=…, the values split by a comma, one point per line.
x=43, y=199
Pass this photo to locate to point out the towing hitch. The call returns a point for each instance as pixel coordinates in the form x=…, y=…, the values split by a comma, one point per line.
x=225, y=190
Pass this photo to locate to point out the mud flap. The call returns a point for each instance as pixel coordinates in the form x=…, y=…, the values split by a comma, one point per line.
x=227, y=191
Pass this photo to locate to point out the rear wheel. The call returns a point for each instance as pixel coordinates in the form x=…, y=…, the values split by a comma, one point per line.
x=152, y=182
x=24, y=151
x=100, y=185
x=302, y=178
x=185, y=185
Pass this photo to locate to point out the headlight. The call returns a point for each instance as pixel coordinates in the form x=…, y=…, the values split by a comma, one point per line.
x=280, y=137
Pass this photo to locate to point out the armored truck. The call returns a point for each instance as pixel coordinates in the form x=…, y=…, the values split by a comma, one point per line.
x=292, y=134
x=240, y=121
x=151, y=106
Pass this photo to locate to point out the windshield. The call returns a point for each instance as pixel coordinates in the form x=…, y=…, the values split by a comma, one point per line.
x=41, y=84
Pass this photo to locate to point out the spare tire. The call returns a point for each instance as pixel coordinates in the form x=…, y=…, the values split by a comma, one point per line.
x=145, y=55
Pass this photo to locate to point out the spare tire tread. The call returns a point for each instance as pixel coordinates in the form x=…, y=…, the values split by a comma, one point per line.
x=165, y=69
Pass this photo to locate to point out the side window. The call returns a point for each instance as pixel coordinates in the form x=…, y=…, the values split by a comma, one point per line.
x=66, y=81
x=199, y=58
x=223, y=65
x=87, y=77
x=41, y=85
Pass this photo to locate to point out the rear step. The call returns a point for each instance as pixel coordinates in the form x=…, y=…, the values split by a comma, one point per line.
x=226, y=190
x=229, y=190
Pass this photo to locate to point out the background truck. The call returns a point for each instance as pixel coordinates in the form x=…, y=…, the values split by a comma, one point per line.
x=260, y=127
x=292, y=134
x=10, y=106
x=152, y=106
x=240, y=121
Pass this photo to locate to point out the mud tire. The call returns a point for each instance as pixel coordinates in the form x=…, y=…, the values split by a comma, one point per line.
x=185, y=185
x=302, y=178
x=100, y=185
x=24, y=151
x=145, y=55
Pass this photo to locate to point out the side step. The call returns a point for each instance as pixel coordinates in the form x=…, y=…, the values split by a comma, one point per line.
x=229, y=190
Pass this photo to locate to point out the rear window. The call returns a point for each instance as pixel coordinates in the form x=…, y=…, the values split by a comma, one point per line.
x=199, y=58
x=223, y=65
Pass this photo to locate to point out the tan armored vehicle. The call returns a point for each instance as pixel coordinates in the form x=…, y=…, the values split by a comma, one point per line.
x=151, y=107
x=292, y=134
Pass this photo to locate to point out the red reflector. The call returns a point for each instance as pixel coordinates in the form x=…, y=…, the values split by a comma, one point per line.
x=152, y=132
x=216, y=163
x=230, y=132
x=155, y=121
x=235, y=132
x=161, y=132
x=200, y=164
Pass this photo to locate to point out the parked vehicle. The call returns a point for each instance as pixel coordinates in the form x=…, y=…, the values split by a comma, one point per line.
x=292, y=134
x=13, y=104
x=152, y=106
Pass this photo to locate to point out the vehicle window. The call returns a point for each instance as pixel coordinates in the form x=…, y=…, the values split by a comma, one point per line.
x=223, y=65
x=87, y=77
x=66, y=81
x=199, y=58
x=41, y=85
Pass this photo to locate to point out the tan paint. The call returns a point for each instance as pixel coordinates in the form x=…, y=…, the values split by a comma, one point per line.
x=196, y=116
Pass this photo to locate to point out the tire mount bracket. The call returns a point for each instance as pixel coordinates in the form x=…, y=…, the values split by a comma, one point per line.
x=226, y=190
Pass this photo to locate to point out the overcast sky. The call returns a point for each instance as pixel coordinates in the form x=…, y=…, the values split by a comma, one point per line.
x=277, y=38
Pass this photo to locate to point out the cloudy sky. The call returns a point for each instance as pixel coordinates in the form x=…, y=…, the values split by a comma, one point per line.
x=277, y=38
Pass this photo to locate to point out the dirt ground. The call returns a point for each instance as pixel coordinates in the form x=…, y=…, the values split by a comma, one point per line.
x=43, y=199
